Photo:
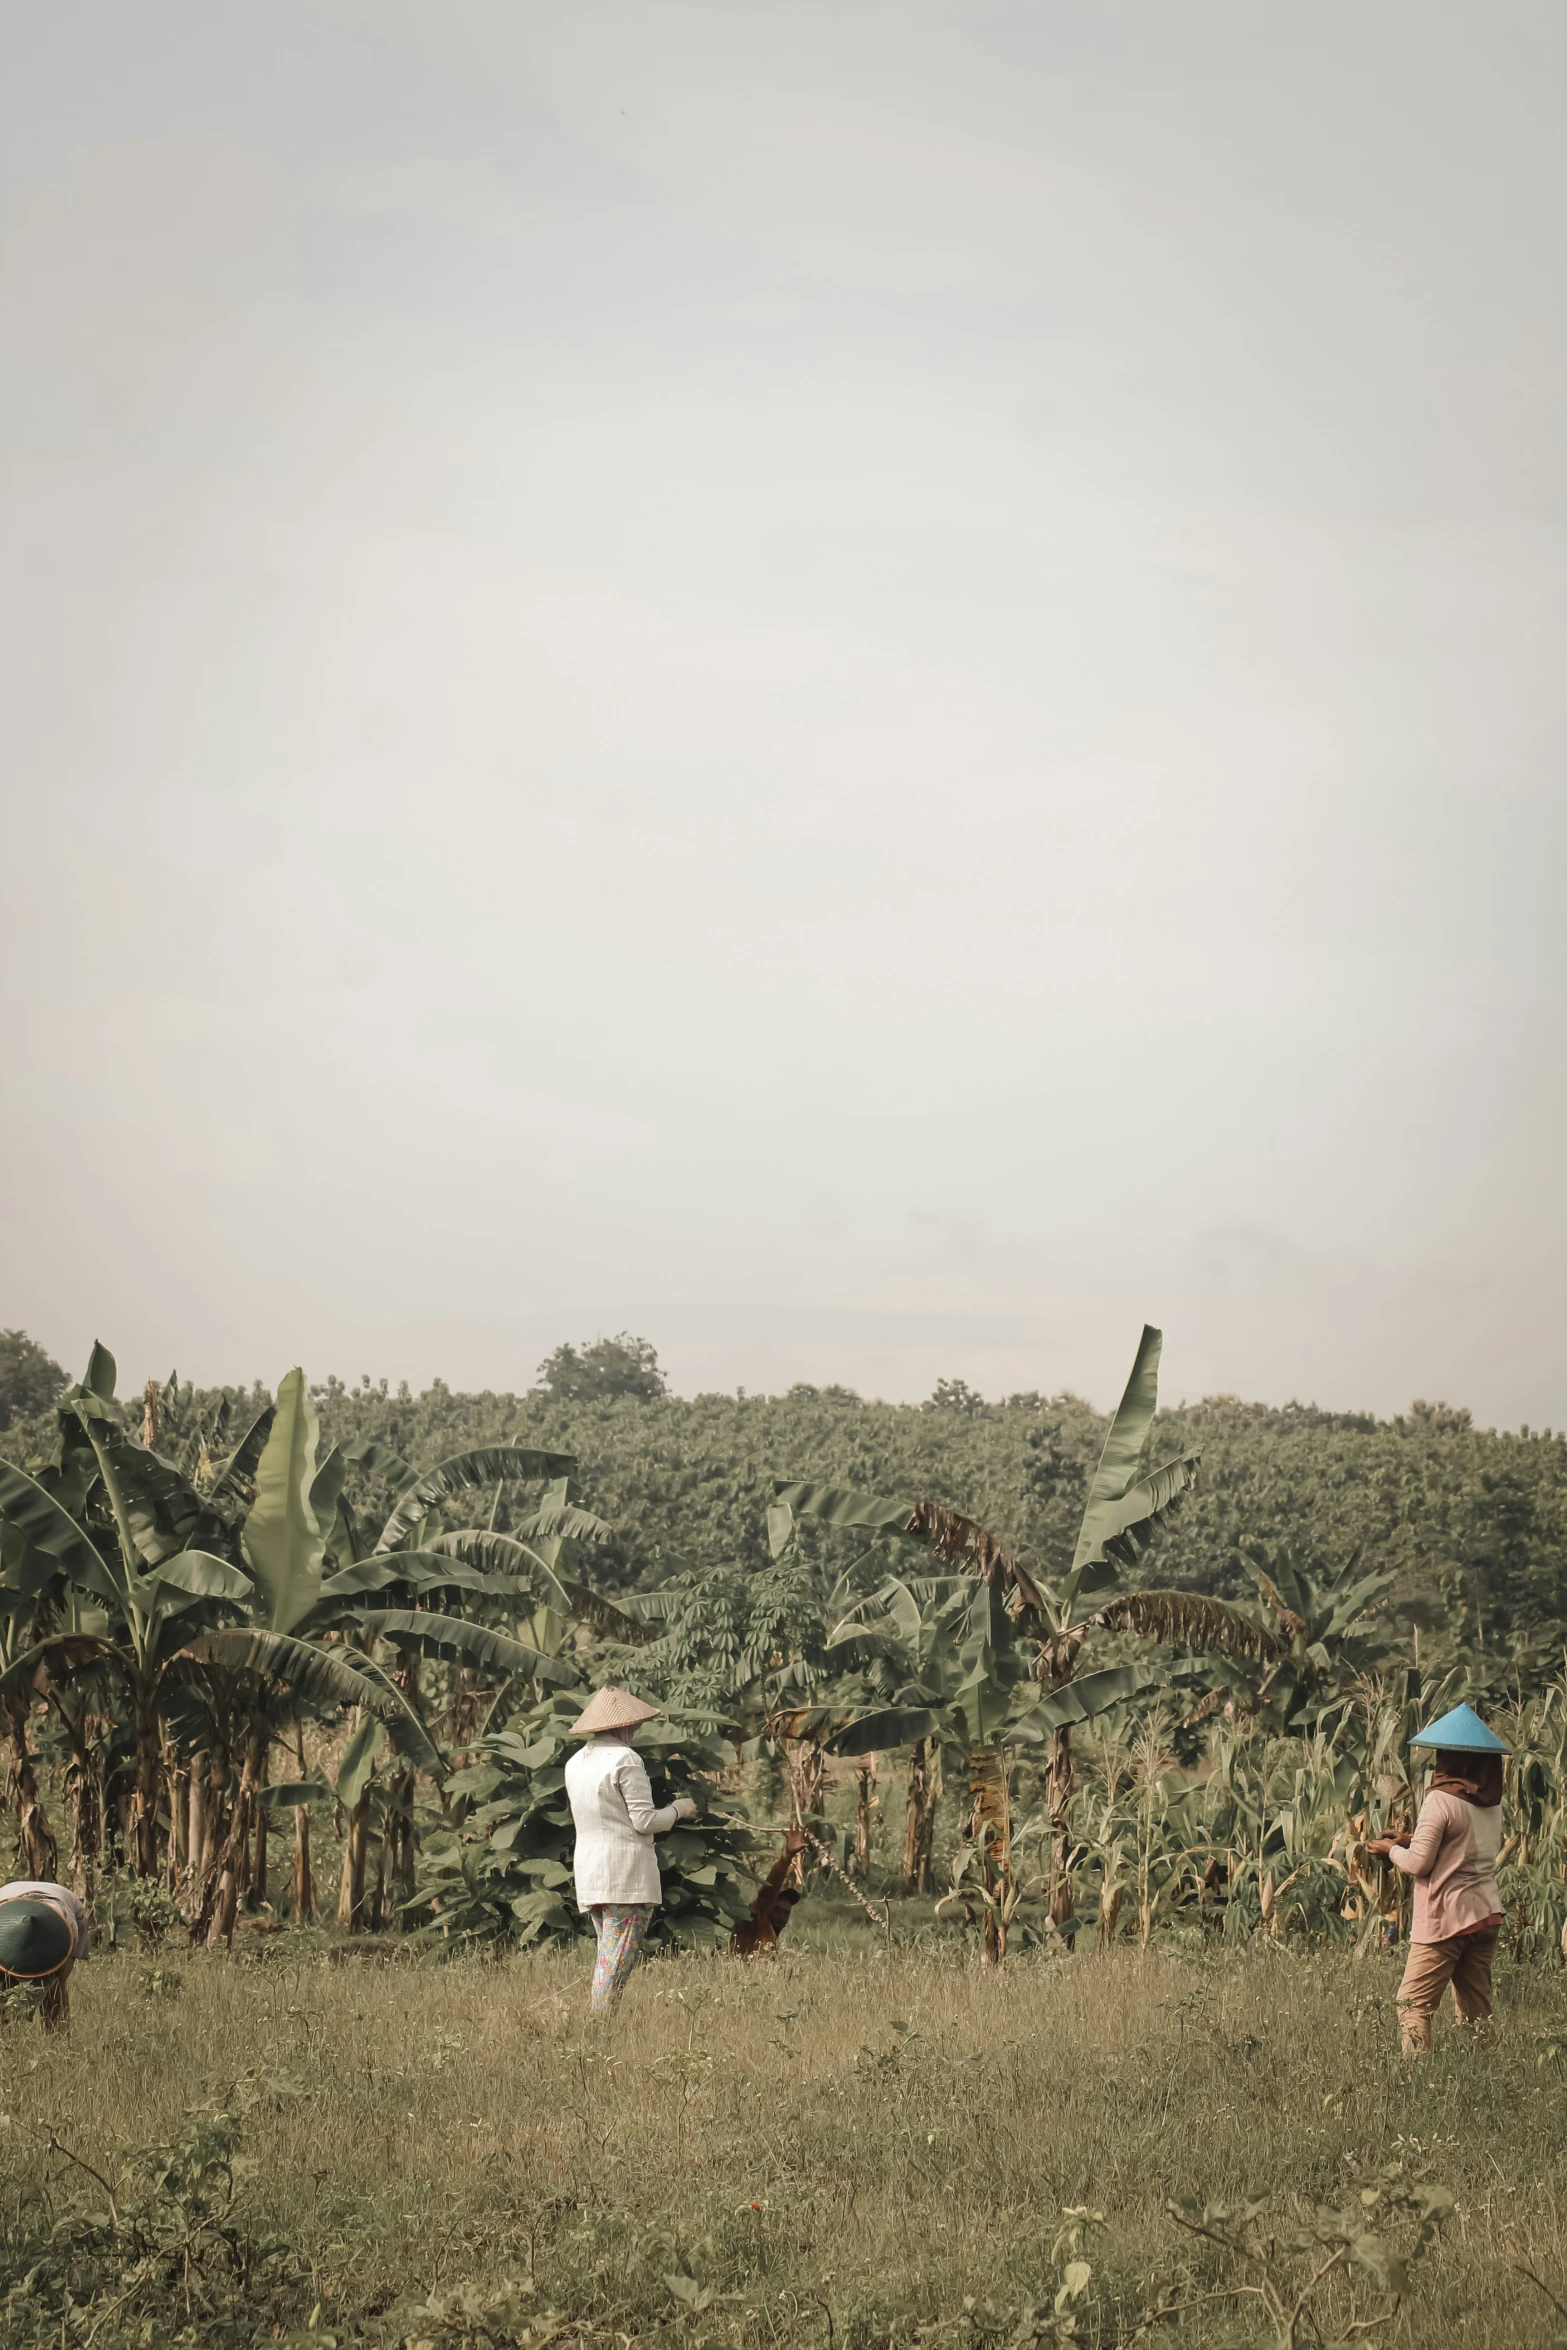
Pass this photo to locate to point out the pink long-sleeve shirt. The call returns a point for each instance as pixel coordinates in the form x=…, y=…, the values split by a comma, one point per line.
x=1452, y=1858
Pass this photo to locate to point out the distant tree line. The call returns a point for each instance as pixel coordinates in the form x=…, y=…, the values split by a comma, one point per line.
x=1474, y=1520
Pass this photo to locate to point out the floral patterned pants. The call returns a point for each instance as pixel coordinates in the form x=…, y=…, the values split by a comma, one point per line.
x=621, y=1927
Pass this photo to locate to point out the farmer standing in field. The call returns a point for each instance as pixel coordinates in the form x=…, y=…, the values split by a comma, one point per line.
x=612, y=1808
x=1452, y=1859
x=44, y=1930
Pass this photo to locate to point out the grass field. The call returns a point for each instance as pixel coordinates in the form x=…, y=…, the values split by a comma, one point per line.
x=834, y=2149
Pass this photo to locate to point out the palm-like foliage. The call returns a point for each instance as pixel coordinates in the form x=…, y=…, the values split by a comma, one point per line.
x=1124, y=1508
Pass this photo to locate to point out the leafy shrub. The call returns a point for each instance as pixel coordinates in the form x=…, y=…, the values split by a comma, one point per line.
x=505, y=1874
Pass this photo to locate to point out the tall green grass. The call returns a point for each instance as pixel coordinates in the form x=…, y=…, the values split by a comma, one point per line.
x=834, y=2148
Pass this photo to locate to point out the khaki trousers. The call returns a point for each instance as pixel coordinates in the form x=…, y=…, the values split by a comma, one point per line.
x=1464, y=1960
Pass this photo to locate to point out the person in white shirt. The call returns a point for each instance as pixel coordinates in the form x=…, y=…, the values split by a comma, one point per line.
x=616, y=1819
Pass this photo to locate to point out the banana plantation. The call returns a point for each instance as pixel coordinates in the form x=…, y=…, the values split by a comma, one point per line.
x=273, y=1682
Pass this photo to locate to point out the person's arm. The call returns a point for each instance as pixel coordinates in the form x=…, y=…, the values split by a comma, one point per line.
x=1417, y=1858
x=646, y=1817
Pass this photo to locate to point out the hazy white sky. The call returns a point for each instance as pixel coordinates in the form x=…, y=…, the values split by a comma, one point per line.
x=876, y=688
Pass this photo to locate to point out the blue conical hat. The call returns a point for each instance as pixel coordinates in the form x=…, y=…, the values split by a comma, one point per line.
x=35, y=1938
x=1461, y=1732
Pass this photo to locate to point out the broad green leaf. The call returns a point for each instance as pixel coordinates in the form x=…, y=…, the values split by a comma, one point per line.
x=100, y=1376
x=283, y=1538
x=28, y=1506
x=326, y=1489
x=1123, y=1446
x=358, y=1764
x=1091, y=1694
x=203, y=1576
x=1122, y=1526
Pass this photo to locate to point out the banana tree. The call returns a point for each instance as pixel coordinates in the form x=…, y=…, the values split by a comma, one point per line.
x=1124, y=1509
x=136, y=1539
x=294, y=1603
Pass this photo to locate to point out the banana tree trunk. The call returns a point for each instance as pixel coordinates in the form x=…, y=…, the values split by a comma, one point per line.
x=85, y=1796
x=256, y=1887
x=919, y=1816
x=231, y=1868
x=356, y=1853
x=991, y=1829
x=1061, y=1787
x=149, y=1776
x=36, y=1846
x=174, y=1779
x=196, y=1819
x=865, y=1804
x=304, y=1883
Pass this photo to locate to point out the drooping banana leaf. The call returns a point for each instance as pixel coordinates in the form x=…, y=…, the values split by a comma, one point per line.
x=60, y=1650
x=48, y=1527
x=324, y=1675
x=201, y=1575
x=490, y=1464
x=1090, y=1694
x=474, y=1643
x=290, y=1793
x=880, y=1731
x=840, y=1505
x=1193, y=1620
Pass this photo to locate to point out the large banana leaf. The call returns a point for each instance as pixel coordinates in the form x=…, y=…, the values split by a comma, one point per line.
x=284, y=1540
x=877, y=1733
x=1123, y=1446
x=474, y=1643
x=358, y=1764
x=489, y=1464
x=28, y=1506
x=324, y=1675
x=1124, y=1525
x=201, y=1575
x=839, y=1505
x=1092, y=1693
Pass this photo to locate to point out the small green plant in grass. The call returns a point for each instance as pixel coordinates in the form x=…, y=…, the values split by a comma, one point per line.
x=165, y=2251
x=1289, y=2269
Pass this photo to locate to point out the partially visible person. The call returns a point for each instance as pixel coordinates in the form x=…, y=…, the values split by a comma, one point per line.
x=1452, y=1858
x=616, y=1819
x=44, y=1930
x=775, y=1900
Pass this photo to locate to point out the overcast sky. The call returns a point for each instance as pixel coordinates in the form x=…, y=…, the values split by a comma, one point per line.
x=876, y=689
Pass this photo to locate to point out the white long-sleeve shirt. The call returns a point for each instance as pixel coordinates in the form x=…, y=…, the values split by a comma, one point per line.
x=616, y=1820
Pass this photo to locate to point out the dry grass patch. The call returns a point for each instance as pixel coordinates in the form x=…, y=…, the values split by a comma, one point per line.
x=831, y=2150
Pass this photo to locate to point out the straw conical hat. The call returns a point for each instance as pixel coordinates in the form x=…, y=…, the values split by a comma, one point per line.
x=1460, y=1732
x=611, y=1709
x=36, y=1939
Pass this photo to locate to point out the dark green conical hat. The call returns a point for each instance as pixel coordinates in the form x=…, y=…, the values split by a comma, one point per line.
x=35, y=1939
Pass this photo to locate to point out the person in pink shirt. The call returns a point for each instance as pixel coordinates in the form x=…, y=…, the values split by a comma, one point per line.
x=1452, y=1858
